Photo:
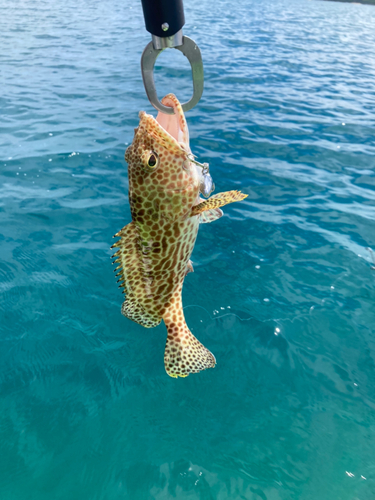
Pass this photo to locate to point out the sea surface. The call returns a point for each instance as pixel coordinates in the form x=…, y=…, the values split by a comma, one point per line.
x=283, y=291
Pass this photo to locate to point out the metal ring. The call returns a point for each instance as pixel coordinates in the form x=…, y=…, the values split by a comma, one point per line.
x=191, y=50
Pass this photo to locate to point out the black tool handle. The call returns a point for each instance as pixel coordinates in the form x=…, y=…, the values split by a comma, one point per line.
x=163, y=17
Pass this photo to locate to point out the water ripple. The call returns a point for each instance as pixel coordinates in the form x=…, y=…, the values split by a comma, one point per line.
x=283, y=289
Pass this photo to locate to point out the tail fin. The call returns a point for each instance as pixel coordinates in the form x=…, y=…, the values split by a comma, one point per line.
x=184, y=354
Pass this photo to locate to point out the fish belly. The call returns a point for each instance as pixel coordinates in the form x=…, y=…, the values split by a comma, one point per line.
x=165, y=260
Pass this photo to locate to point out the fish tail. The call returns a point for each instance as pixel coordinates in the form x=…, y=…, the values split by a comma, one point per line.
x=184, y=354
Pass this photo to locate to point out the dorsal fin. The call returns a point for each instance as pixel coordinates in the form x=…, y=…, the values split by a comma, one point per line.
x=126, y=255
x=130, y=268
x=132, y=310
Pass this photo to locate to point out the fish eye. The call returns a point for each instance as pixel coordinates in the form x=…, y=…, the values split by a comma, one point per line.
x=152, y=160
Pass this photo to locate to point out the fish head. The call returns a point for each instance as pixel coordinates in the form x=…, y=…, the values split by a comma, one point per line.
x=161, y=176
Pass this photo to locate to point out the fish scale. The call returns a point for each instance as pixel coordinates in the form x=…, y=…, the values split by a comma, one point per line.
x=154, y=249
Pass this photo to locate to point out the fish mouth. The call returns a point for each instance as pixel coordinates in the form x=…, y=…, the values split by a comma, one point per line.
x=175, y=125
x=170, y=131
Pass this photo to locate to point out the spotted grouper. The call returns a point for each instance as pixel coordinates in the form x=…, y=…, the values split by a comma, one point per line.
x=154, y=250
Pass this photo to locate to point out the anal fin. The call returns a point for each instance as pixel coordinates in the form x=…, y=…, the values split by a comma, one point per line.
x=189, y=268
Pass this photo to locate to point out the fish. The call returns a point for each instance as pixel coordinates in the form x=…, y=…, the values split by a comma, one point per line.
x=153, y=251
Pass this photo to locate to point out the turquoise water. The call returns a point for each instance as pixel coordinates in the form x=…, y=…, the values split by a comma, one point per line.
x=283, y=292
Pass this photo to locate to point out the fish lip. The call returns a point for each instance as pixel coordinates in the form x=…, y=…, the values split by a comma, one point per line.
x=181, y=147
x=174, y=125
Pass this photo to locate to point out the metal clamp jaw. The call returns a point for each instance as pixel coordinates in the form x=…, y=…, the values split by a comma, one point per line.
x=190, y=49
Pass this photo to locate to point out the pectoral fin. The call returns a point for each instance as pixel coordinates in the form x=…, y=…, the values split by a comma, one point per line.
x=218, y=200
